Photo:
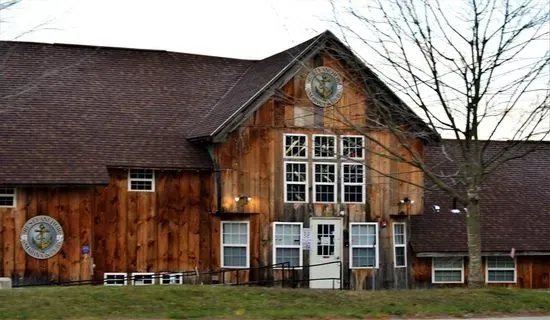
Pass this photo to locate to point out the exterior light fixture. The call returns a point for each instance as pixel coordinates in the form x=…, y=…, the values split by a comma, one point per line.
x=243, y=199
x=406, y=200
x=436, y=208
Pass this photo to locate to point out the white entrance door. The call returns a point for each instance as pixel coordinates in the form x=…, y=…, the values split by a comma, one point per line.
x=326, y=247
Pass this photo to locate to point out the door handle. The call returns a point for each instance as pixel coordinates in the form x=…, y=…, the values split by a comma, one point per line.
x=337, y=258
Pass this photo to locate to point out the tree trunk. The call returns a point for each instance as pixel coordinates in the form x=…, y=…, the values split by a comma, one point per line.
x=473, y=225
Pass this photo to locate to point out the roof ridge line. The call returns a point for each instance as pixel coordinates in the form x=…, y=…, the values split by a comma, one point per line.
x=270, y=81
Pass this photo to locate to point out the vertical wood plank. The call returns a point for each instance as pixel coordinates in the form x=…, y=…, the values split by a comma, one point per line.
x=73, y=240
x=85, y=212
x=20, y=219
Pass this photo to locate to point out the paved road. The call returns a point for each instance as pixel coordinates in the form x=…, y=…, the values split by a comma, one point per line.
x=503, y=318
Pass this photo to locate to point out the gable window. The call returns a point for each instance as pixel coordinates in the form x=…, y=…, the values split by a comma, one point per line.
x=295, y=146
x=501, y=269
x=296, y=180
x=352, y=147
x=7, y=197
x=448, y=270
x=324, y=147
x=399, y=245
x=141, y=180
x=287, y=243
x=325, y=182
x=353, y=183
x=364, y=245
x=235, y=244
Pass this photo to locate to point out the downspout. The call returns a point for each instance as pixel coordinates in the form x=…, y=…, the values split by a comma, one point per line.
x=217, y=178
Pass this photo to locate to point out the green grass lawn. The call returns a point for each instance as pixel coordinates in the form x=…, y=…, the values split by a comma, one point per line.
x=179, y=302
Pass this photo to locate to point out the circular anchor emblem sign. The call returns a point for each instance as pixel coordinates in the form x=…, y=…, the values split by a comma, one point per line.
x=324, y=86
x=42, y=237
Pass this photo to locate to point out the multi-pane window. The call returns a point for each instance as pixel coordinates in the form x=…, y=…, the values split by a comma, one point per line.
x=364, y=245
x=287, y=243
x=399, y=245
x=448, y=270
x=325, y=239
x=324, y=147
x=352, y=147
x=235, y=250
x=324, y=182
x=501, y=269
x=295, y=146
x=7, y=197
x=353, y=183
x=141, y=180
x=296, y=180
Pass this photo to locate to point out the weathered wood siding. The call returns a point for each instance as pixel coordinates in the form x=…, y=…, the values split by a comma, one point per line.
x=72, y=208
x=532, y=272
x=165, y=230
x=251, y=160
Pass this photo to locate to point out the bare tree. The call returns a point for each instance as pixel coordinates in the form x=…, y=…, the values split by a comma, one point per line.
x=474, y=71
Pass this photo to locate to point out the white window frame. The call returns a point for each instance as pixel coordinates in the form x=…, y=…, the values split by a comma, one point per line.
x=343, y=184
x=375, y=246
x=447, y=269
x=148, y=276
x=170, y=278
x=222, y=223
x=114, y=274
x=284, y=145
x=328, y=136
x=275, y=246
x=12, y=195
x=396, y=245
x=306, y=183
x=487, y=269
x=342, y=147
x=130, y=179
x=335, y=183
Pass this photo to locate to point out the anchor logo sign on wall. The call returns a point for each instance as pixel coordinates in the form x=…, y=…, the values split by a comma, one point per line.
x=42, y=237
x=324, y=86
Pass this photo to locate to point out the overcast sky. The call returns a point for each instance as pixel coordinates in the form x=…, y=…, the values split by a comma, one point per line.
x=236, y=28
x=249, y=29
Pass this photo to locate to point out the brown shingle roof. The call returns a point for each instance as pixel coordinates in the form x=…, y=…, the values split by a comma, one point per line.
x=515, y=205
x=67, y=112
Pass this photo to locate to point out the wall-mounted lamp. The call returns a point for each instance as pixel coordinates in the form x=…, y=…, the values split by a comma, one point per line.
x=243, y=199
x=406, y=200
x=436, y=208
x=383, y=223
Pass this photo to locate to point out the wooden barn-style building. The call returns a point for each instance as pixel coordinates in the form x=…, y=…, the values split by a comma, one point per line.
x=165, y=163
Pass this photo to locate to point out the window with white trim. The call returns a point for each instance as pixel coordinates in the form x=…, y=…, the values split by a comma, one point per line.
x=295, y=145
x=143, y=278
x=141, y=180
x=353, y=183
x=501, y=269
x=7, y=197
x=115, y=278
x=324, y=146
x=399, y=245
x=287, y=243
x=447, y=270
x=353, y=147
x=235, y=244
x=364, y=245
x=324, y=182
x=296, y=181
x=171, y=278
